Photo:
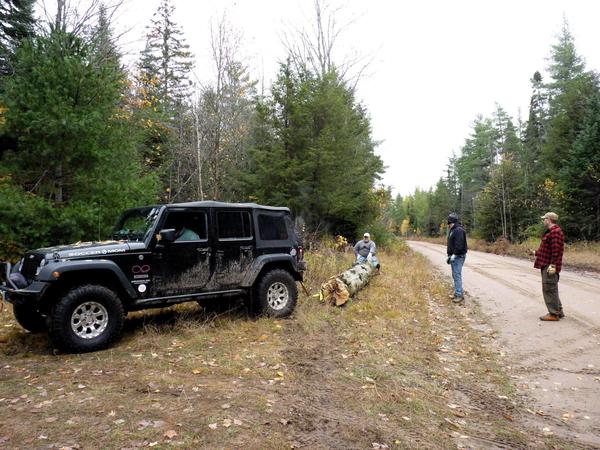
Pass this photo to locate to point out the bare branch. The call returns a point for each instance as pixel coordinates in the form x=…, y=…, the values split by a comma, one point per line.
x=314, y=46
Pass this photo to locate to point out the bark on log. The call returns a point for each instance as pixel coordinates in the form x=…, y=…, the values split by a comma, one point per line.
x=338, y=290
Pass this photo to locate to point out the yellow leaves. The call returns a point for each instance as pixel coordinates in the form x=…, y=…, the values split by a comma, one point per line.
x=405, y=227
x=2, y=116
x=340, y=242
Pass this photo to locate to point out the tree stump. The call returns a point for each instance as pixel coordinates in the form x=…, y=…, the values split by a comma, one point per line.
x=338, y=290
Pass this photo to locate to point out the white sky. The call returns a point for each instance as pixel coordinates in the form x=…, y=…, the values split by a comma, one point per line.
x=437, y=63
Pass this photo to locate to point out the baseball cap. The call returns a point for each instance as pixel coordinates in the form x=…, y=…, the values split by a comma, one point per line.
x=367, y=235
x=550, y=215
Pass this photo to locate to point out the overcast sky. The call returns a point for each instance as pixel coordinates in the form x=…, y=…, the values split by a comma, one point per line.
x=436, y=64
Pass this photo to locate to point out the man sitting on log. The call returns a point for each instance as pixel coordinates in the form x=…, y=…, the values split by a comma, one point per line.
x=365, y=250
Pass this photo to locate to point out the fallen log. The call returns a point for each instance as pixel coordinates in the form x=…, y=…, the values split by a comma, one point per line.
x=338, y=290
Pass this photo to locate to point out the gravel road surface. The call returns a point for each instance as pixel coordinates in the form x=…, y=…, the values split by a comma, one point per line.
x=556, y=363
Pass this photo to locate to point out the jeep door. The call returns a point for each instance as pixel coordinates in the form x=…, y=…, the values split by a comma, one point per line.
x=186, y=264
x=234, y=246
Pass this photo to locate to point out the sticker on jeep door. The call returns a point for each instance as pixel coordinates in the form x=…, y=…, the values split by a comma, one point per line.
x=141, y=276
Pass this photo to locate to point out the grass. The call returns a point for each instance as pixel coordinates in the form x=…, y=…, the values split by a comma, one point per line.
x=582, y=255
x=397, y=367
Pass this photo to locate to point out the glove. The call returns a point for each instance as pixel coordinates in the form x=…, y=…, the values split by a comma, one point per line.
x=452, y=258
x=369, y=257
x=448, y=260
x=551, y=269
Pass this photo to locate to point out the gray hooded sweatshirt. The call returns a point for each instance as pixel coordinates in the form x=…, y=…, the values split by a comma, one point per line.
x=363, y=248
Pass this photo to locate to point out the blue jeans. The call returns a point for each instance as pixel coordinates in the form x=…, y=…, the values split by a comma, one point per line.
x=457, y=266
x=363, y=259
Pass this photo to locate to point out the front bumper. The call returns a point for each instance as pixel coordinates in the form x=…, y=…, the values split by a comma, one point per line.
x=13, y=294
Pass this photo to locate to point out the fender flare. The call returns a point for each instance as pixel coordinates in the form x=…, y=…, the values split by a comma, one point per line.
x=83, y=265
x=261, y=262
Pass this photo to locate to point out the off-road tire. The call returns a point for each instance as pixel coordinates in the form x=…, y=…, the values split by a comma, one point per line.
x=276, y=294
x=30, y=318
x=73, y=304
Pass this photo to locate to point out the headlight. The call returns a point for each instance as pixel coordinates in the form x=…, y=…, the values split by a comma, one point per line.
x=39, y=269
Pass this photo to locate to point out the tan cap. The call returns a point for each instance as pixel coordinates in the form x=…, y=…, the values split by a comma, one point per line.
x=550, y=215
x=367, y=235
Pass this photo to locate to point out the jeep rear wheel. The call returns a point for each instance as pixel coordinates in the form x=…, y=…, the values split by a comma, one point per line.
x=277, y=293
x=86, y=319
x=29, y=318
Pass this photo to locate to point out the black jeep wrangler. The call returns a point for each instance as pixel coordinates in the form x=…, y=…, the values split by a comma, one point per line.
x=160, y=255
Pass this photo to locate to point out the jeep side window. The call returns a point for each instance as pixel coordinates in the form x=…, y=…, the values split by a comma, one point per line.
x=188, y=225
x=272, y=228
x=234, y=225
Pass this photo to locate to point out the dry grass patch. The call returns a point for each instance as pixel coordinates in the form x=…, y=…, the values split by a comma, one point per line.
x=397, y=367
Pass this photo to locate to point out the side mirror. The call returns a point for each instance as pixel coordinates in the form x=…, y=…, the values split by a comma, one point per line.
x=167, y=235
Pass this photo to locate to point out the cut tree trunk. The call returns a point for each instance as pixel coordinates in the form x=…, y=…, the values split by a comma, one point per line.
x=338, y=290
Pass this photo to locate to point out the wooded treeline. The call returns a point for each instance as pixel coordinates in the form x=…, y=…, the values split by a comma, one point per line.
x=509, y=172
x=82, y=136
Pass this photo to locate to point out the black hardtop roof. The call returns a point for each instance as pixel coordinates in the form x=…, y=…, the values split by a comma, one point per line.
x=215, y=204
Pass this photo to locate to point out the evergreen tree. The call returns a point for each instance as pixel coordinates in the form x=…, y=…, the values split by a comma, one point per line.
x=473, y=167
x=76, y=154
x=16, y=24
x=569, y=89
x=102, y=40
x=164, y=87
x=166, y=61
x=313, y=149
x=534, y=133
x=580, y=179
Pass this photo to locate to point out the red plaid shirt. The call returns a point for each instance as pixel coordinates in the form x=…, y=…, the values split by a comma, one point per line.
x=551, y=249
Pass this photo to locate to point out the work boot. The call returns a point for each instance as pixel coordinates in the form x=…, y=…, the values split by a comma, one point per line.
x=458, y=298
x=561, y=314
x=550, y=318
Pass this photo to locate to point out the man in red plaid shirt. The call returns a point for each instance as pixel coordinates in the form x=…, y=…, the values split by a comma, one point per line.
x=548, y=258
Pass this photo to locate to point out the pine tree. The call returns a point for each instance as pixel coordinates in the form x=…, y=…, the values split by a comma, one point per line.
x=102, y=40
x=580, y=178
x=569, y=89
x=16, y=24
x=534, y=131
x=166, y=61
x=76, y=154
x=163, y=87
x=473, y=167
x=313, y=149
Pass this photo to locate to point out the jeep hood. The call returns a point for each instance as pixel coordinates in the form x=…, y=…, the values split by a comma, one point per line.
x=86, y=249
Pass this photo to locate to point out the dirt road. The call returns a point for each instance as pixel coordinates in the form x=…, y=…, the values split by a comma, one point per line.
x=556, y=363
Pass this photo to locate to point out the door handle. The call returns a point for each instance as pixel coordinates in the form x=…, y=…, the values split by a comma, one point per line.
x=203, y=250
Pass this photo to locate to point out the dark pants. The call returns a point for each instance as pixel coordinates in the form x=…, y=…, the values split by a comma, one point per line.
x=550, y=291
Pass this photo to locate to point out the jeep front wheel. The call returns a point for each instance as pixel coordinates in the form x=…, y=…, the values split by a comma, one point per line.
x=86, y=319
x=277, y=294
x=29, y=318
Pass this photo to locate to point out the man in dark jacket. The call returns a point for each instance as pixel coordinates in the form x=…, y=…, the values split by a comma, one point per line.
x=457, y=251
x=548, y=258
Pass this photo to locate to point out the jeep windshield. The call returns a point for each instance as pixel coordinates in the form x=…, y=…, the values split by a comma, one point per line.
x=136, y=224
